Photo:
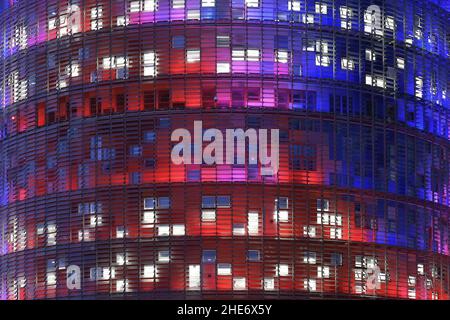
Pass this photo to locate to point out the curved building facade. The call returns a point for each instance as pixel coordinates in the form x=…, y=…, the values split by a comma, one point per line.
x=91, y=92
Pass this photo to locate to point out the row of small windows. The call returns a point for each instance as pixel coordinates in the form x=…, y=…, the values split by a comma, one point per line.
x=375, y=22
x=210, y=205
x=18, y=88
x=150, y=272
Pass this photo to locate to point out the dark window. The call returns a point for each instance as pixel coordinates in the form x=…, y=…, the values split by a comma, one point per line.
x=149, y=100
x=253, y=255
x=178, y=42
x=150, y=163
x=120, y=102
x=209, y=256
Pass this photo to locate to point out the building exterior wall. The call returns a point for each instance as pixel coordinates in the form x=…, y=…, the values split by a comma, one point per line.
x=92, y=90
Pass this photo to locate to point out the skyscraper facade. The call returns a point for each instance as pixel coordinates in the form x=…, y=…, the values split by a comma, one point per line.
x=92, y=205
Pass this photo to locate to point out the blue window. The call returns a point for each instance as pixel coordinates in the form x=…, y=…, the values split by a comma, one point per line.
x=209, y=256
x=253, y=255
x=149, y=203
x=136, y=151
x=208, y=202
x=336, y=259
x=135, y=177
x=223, y=201
x=163, y=202
x=178, y=42
x=149, y=136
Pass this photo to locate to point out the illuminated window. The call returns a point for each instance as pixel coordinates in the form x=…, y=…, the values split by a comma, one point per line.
x=116, y=62
x=310, y=284
x=372, y=20
x=411, y=293
x=347, y=64
x=149, y=271
x=418, y=27
x=148, y=217
x=122, y=21
x=163, y=256
x=194, y=276
x=150, y=64
x=282, y=270
x=178, y=4
x=281, y=213
x=100, y=273
x=370, y=55
x=40, y=229
x=135, y=6
x=122, y=285
x=294, y=5
x=178, y=230
x=400, y=63
x=329, y=218
x=83, y=235
x=252, y=3
x=238, y=55
x=96, y=220
x=193, y=14
x=52, y=23
x=96, y=18
x=51, y=278
x=360, y=289
x=239, y=283
x=163, y=230
x=323, y=272
x=252, y=55
x=223, y=41
x=282, y=56
x=389, y=23
x=143, y=5
x=419, y=87
x=411, y=281
x=208, y=215
x=122, y=259
x=208, y=3
x=51, y=234
x=192, y=56
x=238, y=229
x=309, y=231
x=223, y=67
x=253, y=223
x=269, y=283
x=308, y=18
x=420, y=269
x=224, y=269
x=335, y=233
x=73, y=69
x=321, y=8
x=322, y=61
x=345, y=12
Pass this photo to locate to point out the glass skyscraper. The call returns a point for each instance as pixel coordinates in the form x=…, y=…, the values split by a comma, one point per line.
x=91, y=205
